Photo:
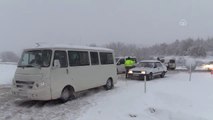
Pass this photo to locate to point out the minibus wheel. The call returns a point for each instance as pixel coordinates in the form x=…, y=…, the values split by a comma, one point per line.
x=66, y=94
x=109, y=84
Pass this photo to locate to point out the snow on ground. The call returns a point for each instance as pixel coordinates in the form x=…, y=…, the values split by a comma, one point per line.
x=7, y=71
x=171, y=98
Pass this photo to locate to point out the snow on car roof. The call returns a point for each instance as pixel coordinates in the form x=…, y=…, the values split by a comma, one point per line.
x=149, y=61
x=67, y=46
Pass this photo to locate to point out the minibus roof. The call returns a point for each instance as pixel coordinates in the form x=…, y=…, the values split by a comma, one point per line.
x=70, y=47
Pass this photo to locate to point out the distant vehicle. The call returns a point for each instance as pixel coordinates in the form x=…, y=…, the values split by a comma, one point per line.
x=120, y=61
x=208, y=66
x=58, y=72
x=148, y=68
x=171, y=65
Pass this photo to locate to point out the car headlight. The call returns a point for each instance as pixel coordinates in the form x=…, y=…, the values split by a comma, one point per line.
x=210, y=66
x=143, y=72
x=130, y=72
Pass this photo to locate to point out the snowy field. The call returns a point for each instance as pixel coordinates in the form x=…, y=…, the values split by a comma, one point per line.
x=7, y=71
x=171, y=98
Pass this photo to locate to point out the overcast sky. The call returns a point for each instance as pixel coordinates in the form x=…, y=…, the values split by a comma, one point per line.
x=83, y=22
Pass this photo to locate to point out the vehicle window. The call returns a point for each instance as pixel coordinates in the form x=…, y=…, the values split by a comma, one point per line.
x=122, y=61
x=32, y=58
x=78, y=58
x=94, y=58
x=116, y=59
x=172, y=61
x=106, y=58
x=145, y=64
x=62, y=57
x=159, y=64
x=155, y=65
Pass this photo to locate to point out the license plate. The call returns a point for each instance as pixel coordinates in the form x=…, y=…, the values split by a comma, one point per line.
x=136, y=75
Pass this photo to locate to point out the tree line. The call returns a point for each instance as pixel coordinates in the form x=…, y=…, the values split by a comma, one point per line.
x=187, y=47
x=8, y=56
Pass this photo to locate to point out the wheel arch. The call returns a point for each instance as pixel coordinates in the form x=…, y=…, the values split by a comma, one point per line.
x=110, y=78
x=70, y=87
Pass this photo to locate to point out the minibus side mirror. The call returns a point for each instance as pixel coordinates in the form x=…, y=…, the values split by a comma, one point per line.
x=57, y=64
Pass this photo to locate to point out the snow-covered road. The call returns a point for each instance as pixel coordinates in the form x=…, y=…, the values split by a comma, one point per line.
x=12, y=108
x=170, y=98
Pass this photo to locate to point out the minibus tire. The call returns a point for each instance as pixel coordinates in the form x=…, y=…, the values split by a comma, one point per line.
x=66, y=94
x=109, y=84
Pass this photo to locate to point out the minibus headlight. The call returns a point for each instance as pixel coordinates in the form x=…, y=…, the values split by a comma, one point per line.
x=130, y=72
x=143, y=72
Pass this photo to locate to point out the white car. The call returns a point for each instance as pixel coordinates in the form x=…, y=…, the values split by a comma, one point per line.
x=148, y=68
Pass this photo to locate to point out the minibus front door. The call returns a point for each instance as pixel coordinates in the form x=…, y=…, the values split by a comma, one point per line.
x=59, y=73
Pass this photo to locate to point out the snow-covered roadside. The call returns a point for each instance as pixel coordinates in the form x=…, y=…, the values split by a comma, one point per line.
x=7, y=72
x=171, y=98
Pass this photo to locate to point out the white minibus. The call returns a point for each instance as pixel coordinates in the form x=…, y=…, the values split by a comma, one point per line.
x=58, y=72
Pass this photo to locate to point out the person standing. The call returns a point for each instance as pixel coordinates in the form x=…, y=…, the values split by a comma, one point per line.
x=129, y=63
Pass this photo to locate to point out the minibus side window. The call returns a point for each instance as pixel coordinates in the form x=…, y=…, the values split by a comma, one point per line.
x=78, y=58
x=94, y=58
x=106, y=58
x=62, y=57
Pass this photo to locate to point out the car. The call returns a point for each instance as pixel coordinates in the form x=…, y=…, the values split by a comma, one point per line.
x=148, y=68
x=208, y=66
x=120, y=61
x=171, y=64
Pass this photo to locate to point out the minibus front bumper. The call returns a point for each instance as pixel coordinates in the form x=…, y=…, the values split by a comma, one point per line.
x=32, y=94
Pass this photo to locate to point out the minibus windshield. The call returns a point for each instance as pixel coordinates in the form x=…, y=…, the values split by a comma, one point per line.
x=35, y=58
